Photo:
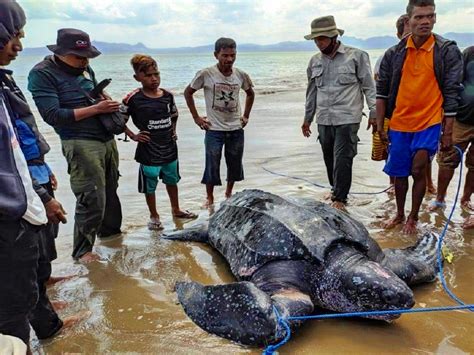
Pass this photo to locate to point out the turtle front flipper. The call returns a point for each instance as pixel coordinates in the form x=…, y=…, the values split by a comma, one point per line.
x=415, y=264
x=239, y=311
x=197, y=233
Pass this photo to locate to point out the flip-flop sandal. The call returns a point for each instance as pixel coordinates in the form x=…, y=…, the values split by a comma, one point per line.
x=186, y=214
x=155, y=225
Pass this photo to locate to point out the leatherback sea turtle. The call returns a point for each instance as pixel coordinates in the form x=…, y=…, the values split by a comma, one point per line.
x=300, y=256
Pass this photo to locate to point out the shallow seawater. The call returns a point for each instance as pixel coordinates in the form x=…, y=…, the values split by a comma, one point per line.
x=134, y=308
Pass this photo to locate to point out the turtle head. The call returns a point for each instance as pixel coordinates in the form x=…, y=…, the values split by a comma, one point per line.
x=370, y=287
x=353, y=283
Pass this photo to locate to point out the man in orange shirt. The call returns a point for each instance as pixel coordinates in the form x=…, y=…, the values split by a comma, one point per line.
x=417, y=89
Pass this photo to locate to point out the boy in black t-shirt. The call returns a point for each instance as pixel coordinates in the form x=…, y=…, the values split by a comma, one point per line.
x=154, y=113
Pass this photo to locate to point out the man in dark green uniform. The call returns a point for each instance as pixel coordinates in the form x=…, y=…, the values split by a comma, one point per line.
x=90, y=150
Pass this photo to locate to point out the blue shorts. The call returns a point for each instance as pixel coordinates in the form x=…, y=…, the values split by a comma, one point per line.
x=404, y=145
x=148, y=176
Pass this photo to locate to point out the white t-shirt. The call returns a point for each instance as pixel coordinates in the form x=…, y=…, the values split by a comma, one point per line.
x=10, y=345
x=35, y=211
x=222, y=96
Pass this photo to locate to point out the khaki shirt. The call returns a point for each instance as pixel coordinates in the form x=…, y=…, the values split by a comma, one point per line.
x=336, y=87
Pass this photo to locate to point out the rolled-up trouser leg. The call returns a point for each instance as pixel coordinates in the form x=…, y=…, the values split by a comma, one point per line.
x=112, y=220
x=345, y=149
x=43, y=318
x=18, y=276
x=213, y=142
x=233, y=152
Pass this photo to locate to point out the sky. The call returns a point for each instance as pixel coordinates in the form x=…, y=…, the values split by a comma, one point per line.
x=182, y=23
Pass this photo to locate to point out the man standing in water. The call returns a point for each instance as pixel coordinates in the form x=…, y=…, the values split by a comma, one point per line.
x=463, y=137
x=403, y=31
x=224, y=123
x=25, y=206
x=90, y=150
x=338, y=78
x=417, y=89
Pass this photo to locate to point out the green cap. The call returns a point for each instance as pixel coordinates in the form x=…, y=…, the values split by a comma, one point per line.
x=324, y=26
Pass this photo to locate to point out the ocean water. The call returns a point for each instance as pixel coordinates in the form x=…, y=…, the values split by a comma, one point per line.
x=131, y=293
x=271, y=72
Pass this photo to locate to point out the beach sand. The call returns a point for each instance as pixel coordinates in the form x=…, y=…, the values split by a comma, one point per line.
x=134, y=308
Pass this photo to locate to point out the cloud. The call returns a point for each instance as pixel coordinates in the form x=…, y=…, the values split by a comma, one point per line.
x=175, y=23
x=381, y=8
x=138, y=13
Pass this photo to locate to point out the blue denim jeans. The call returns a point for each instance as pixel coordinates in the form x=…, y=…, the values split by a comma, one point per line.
x=233, y=143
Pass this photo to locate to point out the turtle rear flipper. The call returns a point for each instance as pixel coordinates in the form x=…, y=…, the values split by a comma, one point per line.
x=415, y=264
x=239, y=311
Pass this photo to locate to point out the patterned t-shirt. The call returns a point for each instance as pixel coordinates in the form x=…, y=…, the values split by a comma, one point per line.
x=154, y=115
x=222, y=96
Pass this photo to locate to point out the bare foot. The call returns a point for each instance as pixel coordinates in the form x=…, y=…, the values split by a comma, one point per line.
x=467, y=206
x=410, y=226
x=431, y=189
x=55, y=279
x=74, y=320
x=59, y=305
x=338, y=205
x=228, y=195
x=211, y=209
x=391, y=191
x=185, y=214
x=208, y=204
x=393, y=222
x=327, y=196
x=469, y=223
x=89, y=257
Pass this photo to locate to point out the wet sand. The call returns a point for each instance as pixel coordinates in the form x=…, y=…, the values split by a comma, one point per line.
x=134, y=308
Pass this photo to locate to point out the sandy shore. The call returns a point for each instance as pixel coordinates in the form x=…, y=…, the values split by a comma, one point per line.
x=131, y=296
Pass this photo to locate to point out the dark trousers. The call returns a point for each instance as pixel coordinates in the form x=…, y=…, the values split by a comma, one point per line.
x=233, y=143
x=18, y=276
x=339, y=145
x=43, y=318
x=50, y=232
x=93, y=171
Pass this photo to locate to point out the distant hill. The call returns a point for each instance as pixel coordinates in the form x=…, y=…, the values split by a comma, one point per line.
x=381, y=42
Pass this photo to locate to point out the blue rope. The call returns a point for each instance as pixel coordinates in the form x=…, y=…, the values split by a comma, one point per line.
x=284, y=322
x=322, y=186
x=296, y=178
x=441, y=239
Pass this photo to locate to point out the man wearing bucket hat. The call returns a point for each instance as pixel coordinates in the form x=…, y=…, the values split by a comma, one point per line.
x=90, y=150
x=339, y=77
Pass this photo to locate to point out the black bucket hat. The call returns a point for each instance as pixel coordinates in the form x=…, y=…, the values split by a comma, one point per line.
x=72, y=41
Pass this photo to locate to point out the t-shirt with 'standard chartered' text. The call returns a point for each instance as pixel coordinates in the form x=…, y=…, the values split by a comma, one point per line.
x=155, y=116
